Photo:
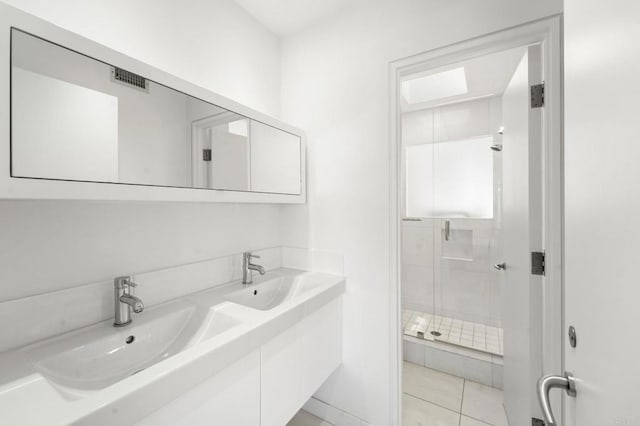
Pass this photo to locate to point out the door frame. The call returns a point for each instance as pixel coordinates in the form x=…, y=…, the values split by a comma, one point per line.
x=548, y=33
x=198, y=168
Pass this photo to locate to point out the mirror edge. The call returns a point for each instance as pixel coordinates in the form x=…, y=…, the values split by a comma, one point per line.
x=43, y=189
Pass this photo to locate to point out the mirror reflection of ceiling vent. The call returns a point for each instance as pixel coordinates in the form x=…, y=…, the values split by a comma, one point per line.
x=129, y=78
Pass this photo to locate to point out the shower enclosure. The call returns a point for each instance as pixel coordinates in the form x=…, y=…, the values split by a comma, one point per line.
x=451, y=226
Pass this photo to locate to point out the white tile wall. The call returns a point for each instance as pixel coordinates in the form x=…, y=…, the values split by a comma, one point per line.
x=159, y=286
x=417, y=265
x=467, y=289
x=481, y=368
x=49, y=314
x=313, y=260
x=33, y=318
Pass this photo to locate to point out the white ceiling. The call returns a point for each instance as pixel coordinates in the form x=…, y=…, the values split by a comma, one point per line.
x=285, y=17
x=486, y=75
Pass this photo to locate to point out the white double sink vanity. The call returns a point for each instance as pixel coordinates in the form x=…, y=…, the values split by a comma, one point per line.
x=231, y=355
x=80, y=121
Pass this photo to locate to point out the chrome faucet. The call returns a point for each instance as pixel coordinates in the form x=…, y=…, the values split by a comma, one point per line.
x=248, y=267
x=125, y=301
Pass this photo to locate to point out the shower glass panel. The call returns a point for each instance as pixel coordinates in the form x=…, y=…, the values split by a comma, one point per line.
x=450, y=179
x=452, y=182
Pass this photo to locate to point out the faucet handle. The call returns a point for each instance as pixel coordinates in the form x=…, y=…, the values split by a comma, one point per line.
x=124, y=281
x=248, y=255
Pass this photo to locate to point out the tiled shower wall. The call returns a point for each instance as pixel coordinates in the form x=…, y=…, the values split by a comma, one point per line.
x=462, y=288
x=464, y=285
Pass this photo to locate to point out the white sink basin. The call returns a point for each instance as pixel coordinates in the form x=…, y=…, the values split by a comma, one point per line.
x=98, y=356
x=271, y=292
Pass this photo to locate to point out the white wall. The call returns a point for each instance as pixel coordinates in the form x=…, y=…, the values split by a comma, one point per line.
x=214, y=44
x=153, y=134
x=48, y=245
x=335, y=86
x=61, y=130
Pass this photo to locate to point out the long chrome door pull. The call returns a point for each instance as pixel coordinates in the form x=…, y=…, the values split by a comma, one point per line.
x=447, y=230
x=545, y=384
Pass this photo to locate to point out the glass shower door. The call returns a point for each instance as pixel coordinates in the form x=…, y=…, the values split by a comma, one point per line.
x=450, y=232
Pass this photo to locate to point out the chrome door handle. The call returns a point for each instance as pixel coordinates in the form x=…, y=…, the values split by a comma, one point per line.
x=447, y=230
x=500, y=266
x=545, y=384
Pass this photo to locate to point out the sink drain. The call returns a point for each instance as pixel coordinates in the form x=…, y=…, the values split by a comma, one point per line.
x=129, y=340
x=436, y=333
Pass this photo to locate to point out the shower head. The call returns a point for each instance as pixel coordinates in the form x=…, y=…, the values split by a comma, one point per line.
x=497, y=147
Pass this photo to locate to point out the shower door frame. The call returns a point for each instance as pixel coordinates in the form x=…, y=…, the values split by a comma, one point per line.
x=548, y=33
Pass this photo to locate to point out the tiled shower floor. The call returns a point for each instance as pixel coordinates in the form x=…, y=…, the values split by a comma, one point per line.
x=467, y=334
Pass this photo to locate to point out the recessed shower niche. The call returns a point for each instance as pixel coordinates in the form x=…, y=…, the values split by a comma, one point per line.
x=456, y=244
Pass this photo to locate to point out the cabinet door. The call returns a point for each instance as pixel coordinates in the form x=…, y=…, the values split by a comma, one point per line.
x=281, y=385
x=231, y=397
x=296, y=363
x=320, y=336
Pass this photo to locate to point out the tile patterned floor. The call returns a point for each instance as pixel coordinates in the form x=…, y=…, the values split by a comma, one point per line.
x=433, y=398
x=468, y=334
x=303, y=418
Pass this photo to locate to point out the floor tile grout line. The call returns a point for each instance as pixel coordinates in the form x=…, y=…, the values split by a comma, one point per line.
x=464, y=384
x=476, y=419
x=462, y=403
x=453, y=375
x=431, y=402
x=449, y=409
x=460, y=413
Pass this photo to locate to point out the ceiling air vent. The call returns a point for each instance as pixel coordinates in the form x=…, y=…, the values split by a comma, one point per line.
x=129, y=78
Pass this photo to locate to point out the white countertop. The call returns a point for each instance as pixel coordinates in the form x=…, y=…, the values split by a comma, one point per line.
x=28, y=398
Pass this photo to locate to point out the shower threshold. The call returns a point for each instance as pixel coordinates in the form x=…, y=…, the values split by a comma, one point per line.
x=467, y=334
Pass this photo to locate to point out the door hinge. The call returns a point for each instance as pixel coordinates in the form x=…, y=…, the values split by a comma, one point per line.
x=537, y=263
x=206, y=154
x=537, y=95
x=536, y=422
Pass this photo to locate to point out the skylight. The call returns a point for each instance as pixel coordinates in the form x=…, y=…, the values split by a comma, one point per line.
x=435, y=86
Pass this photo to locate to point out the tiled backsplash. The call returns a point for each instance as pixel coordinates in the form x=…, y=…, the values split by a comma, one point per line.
x=33, y=318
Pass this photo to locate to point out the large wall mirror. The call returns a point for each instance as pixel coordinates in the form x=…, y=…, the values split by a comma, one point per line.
x=76, y=118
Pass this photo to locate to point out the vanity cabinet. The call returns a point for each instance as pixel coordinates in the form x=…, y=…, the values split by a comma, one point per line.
x=298, y=361
x=231, y=397
x=269, y=385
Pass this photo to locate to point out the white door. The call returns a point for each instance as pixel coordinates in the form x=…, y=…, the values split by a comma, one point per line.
x=522, y=234
x=602, y=205
x=229, y=165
